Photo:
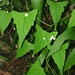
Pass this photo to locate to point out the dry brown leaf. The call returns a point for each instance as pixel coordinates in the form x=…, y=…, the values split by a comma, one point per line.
x=7, y=73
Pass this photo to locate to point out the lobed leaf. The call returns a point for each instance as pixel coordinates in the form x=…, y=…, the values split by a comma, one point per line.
x=70, y=60
x=42, y=38
x=25, y=48
x=59, y=57
x=56, y=9
x=24, y=21
x=5, y=18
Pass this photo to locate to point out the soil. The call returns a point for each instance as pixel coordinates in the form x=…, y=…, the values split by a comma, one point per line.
x=13, y=66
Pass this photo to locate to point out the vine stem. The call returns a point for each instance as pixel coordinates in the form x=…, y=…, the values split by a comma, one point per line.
x=27, y=5
x=43, y=22
x=53, y=23
x=6, y=45
x=54, y=73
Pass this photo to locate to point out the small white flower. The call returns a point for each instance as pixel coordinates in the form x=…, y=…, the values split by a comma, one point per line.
x=52, y=38
x=29, y=44
x=7, y=12
x=55, y=0
x=26, y=14
x=32, y=55
x=44, y=38
x=14, y=28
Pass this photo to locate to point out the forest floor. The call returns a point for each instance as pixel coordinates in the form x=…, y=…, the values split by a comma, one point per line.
x=13, y=66
x=17, y=66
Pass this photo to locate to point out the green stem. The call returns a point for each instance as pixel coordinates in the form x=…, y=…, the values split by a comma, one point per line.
x=44, y=22
x=38, y=4
x=53, y=23
x=26, y=5
x=53, y=72
x=13, y=45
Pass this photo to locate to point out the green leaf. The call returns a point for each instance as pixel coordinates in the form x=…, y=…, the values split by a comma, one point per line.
x=4, y=58
x=70, y=60
x=59, y=57
x=17, y=3
x=72, y=1
x=5, y=18
x=56, y=9
x=43, y=55
x=42, y=38
x=66, y=35
x=24, y=21
x=4, y=2
x=25, y=48
x=36, y=69
x=38, y=4
x=72, y=20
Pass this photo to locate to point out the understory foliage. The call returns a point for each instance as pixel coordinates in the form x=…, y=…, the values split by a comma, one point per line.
x=47, y=27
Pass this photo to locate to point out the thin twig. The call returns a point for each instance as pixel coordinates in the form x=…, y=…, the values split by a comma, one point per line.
x=44, y=22
x=6, y=45
x=53, y=23
x=54, y=73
